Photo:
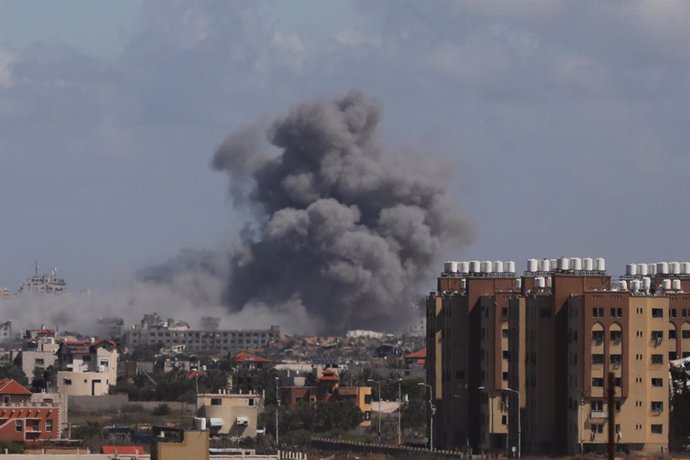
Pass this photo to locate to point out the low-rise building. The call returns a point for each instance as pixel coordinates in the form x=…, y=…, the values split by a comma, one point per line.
x=230, y=414
x=23, y=419
x=6, y=332
x=86, y=367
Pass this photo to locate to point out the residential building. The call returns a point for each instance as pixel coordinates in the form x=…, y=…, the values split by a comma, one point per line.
x=234, y=415
x=166, y=334
x=44, y=284
x=38, y=350
x=246, y=360
x=6, y=332
x=177, y=444
x=5, y=293
x=86, y=367
x=328, y=388
x=24, y=420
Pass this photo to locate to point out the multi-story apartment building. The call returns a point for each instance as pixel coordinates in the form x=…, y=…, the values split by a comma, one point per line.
x=230, y=414
x=465, y=363
x=86, y=367
x=172, y=333
x=6, y=332
x=26, y=420
x=528, y=357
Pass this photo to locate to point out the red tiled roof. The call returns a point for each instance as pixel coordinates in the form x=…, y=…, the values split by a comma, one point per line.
x=122, y=450
x=12, y=387
x=245, y=357
x=329, y=375
x=421, y=354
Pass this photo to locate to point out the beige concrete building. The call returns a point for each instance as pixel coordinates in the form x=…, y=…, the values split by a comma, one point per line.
x=234, y=415
x=627, y=334
x=192, y=445
x=86, y=367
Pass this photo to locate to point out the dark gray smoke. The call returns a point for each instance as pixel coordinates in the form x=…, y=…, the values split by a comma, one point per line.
x=342, y=226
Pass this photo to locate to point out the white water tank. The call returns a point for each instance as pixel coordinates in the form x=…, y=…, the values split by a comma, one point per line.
x=588, y=264
x=463, y=267
x=546, y=265
x=685, y=268
x=600, y=264
x=651, y=269
x=666, y=284
x=635, y=285
x=475, y=266
x=510, y=266
x=554, y=264
x=532, y=265
x=518, y=283
x=576, y=264
x=539, y=282
x=487, y=266
x=563, y=263
x=549, y=281
x=448, y=266
x=624, y=285
x=676, y=285
x=674, y=267
x=642, y=269
x=646, y=283
x=200, y=423
x=662, y=268
x=631, y=269
x=498, y=266
x=463, y=283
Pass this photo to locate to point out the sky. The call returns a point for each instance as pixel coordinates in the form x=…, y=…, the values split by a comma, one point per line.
x=562, y=124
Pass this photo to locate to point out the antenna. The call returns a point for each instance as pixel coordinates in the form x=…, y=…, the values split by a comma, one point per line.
x=36, y=267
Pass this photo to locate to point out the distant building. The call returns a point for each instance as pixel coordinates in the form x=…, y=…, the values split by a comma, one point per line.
x=24, y=420
x=359, y=333
x=328, y=388
x=6, y=332
x=43, y=284
x=86, y=367
x=111, y=327
x=234, y=415
x=178, y=444
x=247, y=360
x=5, y=293
x=167, y=334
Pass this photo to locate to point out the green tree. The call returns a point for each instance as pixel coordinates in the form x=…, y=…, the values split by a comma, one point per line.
x=10, y=371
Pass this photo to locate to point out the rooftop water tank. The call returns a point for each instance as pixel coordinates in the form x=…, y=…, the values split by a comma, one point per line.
x=463, y=283
x=576, y=264
x=600, y=264
x=676, y=285
x=539, y=282
x=563, y=263
x=546, y=265
x=518, y=283
x=685, y=268
x=463, y=267
x=624, y=285
x=662, y=268
x=642, y=269
x=475, y=266
x=510, y=266
x=487, y=266
x=588, y=264
x=666, y=284
x=549, y=281
x=631, y=269
x=635, y=285
x=651, y=269
x=646, y=283
x=498, y=266
x=448, y=266
x=532, y=265
x=674, y=267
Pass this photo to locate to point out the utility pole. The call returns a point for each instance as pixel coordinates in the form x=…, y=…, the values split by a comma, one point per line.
x=400, y=412
x=432, y=410
x=277, y=410
x=612, y=415
x=379, y=396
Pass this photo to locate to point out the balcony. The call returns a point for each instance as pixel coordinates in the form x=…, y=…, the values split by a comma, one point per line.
x=599, y=414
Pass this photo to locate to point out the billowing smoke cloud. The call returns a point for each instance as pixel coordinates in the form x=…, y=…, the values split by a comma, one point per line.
x=342, y=227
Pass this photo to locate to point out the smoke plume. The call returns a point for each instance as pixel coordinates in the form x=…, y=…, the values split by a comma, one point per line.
x=343, y=229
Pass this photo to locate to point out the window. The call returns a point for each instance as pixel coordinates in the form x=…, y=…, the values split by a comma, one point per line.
x=67, y=381
x=617, y=381
x=505, y=333
x=671, y=333
x=616, y=312
x=39, y=362
x=49, y=425
x=657, y=428
x=673, y=312
x=597, y=381
x=657, y=359
x=597, y=406
x=505, y=376
x=598, y=336
x=216, y=402
x=504, y=420
x=686, y=334
x=504, y=312
x=685, y=312
x=657, y=406
x=616, y=360
x=616, y=336
x=597, y=312
x=597, y=428
x=250, y=401
x=657, y=382
x=19, y=426
x=657, y=313
x=506, y=354
x=367, y=399
x=672, y=355
x=658, y=336
x=618, y=409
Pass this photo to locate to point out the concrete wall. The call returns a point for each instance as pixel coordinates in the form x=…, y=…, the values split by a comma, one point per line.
x=97, y=403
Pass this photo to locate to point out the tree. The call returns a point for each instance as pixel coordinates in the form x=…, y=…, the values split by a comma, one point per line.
x=10, y=371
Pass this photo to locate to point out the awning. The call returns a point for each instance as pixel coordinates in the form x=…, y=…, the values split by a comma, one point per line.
x=215, y=421
x=243, y=421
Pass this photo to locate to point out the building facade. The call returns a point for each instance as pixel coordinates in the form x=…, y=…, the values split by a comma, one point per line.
x=24, y=420
x=528, y=357
x=234, y=415
x=86, y=368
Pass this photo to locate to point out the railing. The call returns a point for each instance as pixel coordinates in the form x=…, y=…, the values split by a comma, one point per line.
x=599, y=414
